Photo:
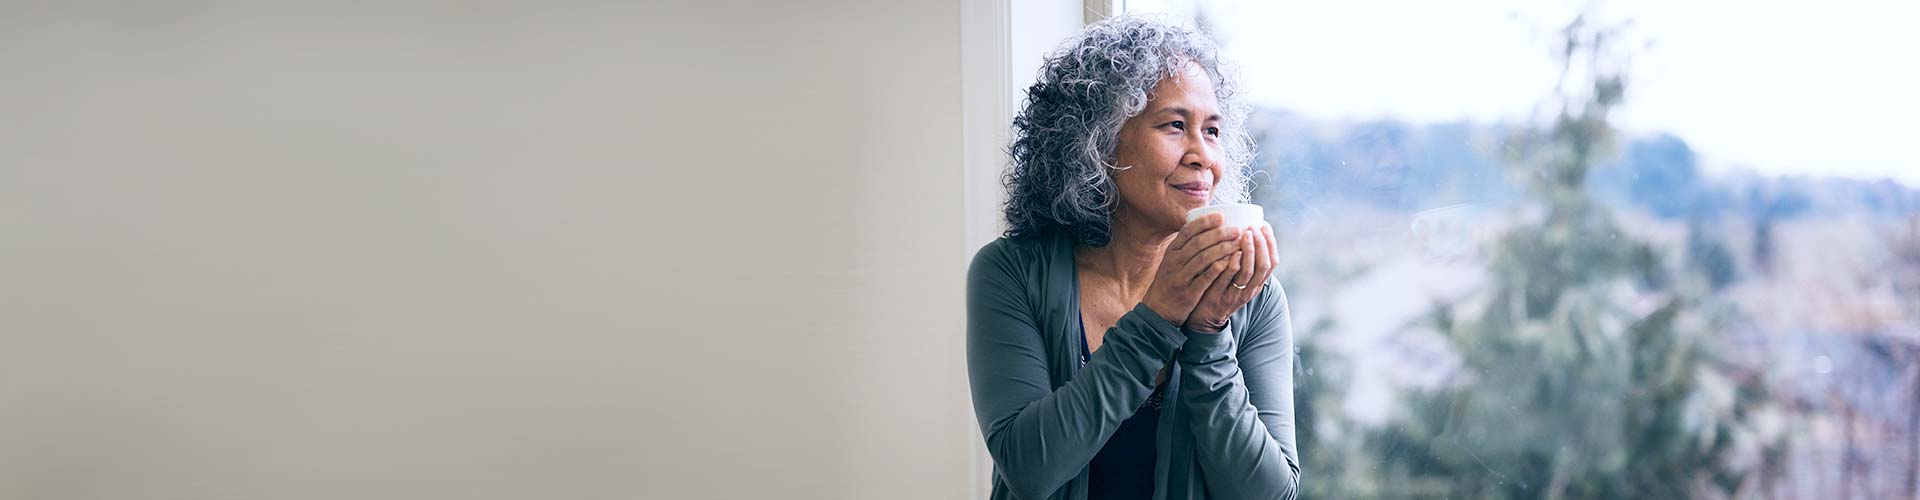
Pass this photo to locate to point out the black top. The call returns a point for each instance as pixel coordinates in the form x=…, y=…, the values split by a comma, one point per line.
x=1123, y=469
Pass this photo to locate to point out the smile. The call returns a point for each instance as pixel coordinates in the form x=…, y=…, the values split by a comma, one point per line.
x=1194, y=191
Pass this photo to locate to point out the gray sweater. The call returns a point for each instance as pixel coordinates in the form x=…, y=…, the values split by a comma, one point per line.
x=1225, y=432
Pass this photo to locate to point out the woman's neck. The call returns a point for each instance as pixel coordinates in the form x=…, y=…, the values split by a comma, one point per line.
x=1130, y=257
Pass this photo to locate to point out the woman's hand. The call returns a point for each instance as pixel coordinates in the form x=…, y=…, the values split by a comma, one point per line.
x=1198, y=256
x=1244, y=278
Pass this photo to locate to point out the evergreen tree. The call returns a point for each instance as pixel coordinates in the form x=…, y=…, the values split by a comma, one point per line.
x=1583, y=369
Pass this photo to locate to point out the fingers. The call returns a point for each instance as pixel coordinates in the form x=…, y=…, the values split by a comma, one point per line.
x=1196, y=227
x=1250, y=263
x=1208, y=241
x=1212, y=273
x=1238, y=268
x=1211, y=261
x=1267, y=256
x=1273, y=244
x=1244, y=266
x=1235, y=269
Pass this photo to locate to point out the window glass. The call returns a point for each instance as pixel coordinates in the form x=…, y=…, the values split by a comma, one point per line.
x=1614, y=250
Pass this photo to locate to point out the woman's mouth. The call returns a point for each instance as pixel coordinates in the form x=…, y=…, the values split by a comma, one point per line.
x=1194, y=189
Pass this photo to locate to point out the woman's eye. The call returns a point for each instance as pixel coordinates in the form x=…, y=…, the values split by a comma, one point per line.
x=1177, y=125
x=1213, y=131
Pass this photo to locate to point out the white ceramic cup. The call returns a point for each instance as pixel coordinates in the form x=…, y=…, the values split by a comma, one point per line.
x=1238, y=214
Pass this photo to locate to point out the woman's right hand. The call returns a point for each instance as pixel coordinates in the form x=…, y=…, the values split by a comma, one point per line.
x=1198, y=255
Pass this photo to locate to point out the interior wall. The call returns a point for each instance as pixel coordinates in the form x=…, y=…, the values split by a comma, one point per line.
x=430, y=249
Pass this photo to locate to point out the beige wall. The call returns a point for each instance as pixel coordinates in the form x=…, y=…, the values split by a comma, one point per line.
x=471, y=250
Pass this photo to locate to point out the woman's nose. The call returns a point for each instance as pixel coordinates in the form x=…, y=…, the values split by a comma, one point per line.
x=1201, y=153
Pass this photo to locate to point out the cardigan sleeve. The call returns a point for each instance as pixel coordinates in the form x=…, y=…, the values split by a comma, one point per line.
x=1041, y=437
x=1240, y=402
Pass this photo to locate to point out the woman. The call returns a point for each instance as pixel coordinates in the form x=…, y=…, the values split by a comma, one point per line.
x=1116, y=350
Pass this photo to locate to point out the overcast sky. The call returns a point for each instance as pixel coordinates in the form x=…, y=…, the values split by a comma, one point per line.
x=1798, y=86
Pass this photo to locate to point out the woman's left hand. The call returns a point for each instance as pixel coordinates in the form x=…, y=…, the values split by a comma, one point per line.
x=1239, y=284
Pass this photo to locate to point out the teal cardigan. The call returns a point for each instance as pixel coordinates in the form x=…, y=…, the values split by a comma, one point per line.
x=1227, y=428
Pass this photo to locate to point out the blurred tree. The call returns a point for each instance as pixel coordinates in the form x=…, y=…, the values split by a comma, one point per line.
x=1583, y=369
x=1707, y=255
x=1664, y=176
x=1906, y=279
x=1322, y=429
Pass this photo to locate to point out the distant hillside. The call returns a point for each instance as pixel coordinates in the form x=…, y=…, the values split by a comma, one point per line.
x=1403, y=166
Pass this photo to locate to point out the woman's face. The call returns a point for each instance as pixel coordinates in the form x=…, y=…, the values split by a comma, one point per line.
x=1170, y=152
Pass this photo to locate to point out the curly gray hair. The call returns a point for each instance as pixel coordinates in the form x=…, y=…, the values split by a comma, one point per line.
x=1065, y=135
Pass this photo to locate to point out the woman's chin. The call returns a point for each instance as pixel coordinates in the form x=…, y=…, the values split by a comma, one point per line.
x=1178, y=218
x=1190, y=203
